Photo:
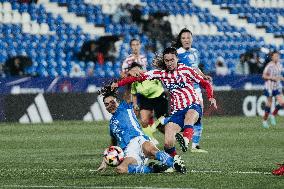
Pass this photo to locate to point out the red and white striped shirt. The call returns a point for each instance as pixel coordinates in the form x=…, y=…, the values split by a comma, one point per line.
x=273, y=70
x=179, y=84
x=142, y=60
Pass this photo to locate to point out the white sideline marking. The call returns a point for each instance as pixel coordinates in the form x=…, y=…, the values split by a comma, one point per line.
x=217, y=171
x=230, y=172
x=190, y=171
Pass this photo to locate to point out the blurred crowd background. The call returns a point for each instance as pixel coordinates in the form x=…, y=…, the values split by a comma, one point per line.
x=86, y=38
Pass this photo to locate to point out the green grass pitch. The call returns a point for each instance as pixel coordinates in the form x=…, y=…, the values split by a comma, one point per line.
x=63, y=155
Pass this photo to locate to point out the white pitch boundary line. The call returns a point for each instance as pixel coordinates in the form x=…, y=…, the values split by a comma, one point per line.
x=217, y=171
x=190, y=171
x=230, y=172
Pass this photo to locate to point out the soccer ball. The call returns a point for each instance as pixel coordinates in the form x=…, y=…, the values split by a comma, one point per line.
x=113, y=156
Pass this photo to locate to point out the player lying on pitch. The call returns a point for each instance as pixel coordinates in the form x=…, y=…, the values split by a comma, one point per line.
x=126, y=132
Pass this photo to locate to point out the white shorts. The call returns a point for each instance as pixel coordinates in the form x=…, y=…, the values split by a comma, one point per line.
x=134, y=150
x=199, y=94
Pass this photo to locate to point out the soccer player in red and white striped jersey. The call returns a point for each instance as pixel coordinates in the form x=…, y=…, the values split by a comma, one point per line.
x=140, y=59
x=272, y=75
x=186, y=110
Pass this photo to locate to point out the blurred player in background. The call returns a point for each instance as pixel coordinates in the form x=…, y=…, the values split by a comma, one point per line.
x=149, y=98
x=135, y=56
x=148, y=90
x=186, y=110
x=190, y=57
x=126, y=132
x=272, y=75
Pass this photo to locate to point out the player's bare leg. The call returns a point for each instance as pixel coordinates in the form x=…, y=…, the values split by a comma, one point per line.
x=145, y=116
x=151, y=151
x=267, y=112
x=195, y=147
x=191, y=118
x=123, y=167
x=170, y=131
x=279, y=106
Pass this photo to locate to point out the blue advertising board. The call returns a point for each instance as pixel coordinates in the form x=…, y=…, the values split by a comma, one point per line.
x=28, y=85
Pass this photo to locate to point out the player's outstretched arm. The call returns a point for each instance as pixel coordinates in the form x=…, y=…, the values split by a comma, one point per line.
x=209, y=90
x=206, y=77
x=126, y=81
x=281, y=79
x=135, y=72
x=102, y=167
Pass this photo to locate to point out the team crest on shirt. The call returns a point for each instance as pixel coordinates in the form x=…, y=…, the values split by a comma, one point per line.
x=191, y=57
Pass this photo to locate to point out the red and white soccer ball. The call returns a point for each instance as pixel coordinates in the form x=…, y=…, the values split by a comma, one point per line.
x=113, y=156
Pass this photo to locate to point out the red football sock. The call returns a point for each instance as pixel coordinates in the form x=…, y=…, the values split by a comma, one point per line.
x=277, y=108
x=275, y=112
x=188, y=132
x=173, y=153
x=266, y=114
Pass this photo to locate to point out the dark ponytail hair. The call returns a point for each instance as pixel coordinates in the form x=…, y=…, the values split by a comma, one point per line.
x=177, y=43
x=106, y=91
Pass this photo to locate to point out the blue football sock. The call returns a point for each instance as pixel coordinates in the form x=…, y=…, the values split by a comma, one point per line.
x=197, y=134
x=139, y=169
x=165, y=158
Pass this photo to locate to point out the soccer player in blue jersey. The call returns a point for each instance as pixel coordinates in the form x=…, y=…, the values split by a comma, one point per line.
x=126, y=132
x=190, y=57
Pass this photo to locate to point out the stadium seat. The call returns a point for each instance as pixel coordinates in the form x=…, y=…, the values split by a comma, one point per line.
x=32, y=24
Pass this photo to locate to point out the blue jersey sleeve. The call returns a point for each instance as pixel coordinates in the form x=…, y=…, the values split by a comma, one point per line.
x=197, y=56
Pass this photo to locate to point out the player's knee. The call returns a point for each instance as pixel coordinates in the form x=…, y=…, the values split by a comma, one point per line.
x=153, y=150
x=191, y=118
x=269, y=102
x=121, y=169
x=169, y=143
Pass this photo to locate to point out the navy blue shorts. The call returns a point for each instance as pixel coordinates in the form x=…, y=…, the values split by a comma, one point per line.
x=268, y=93
x=179, y=116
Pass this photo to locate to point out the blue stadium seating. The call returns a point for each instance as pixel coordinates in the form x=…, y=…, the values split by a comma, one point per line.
x=55, y=54
x=262, y=17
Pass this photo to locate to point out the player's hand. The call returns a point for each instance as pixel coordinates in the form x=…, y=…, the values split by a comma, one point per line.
x=102, y=167
x=123, y=74
x=114, y=85
x=276, y=78
x=213, y=102
x=136, y=107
